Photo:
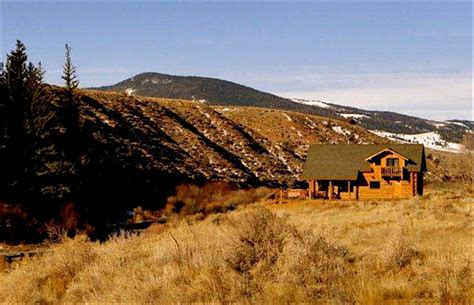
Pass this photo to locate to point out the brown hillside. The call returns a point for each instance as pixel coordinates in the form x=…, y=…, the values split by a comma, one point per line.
x=244, y=145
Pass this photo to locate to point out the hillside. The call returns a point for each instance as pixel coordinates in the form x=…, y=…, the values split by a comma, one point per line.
x=220, y=92
x=206, y=90
x=199, y=142
x=400, y=126
x=195, y=142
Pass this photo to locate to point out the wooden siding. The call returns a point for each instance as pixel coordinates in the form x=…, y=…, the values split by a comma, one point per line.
x=390, y=188
x=406, y=185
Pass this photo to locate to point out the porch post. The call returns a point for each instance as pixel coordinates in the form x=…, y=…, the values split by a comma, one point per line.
x=330, y=190
x=349, y=188
x=309, y=188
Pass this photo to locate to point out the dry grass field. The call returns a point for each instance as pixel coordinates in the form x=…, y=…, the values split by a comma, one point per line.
x=417, y=250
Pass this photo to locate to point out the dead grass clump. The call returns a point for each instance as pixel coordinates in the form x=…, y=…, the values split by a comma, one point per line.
x=278, y=261
x=400, y=251
x=316, y=269
x=454, y=282
x=261, y=238
x=45, y=278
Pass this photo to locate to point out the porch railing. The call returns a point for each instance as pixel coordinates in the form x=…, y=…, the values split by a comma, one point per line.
x=392, y=171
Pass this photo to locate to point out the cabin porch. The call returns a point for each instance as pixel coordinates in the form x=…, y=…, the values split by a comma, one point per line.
x=333, y=189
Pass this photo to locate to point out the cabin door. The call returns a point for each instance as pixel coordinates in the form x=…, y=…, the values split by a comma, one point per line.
x=397, y=189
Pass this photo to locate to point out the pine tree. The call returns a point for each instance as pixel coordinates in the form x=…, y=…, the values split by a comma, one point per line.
x=3, y=123
x=23, y=107
x=34, y=91
x=69, y=72
x=70, y=102
x=16, y=70
x=14, y=105
x=70, y=117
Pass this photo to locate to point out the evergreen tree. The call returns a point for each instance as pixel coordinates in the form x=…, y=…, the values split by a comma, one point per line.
x=22, y=107
x=36, y=117
x=34, y=91
x=3, y=124
x=70, y=116
x=14, y=106
x=69, y=72
x=16, y=69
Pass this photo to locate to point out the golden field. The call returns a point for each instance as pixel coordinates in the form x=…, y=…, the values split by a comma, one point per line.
x=418, y=250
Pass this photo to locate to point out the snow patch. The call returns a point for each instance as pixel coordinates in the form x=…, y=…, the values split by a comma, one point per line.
x=341, y=130
x=207, y=115
x=428, y=139
x=202, y=101
x=354, y=115
x=316, y=103
x=129, y=91
x=436, y=124
x=460, y=124
x=287, y=117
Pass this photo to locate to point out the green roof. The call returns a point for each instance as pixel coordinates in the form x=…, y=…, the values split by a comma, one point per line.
x=345, y=161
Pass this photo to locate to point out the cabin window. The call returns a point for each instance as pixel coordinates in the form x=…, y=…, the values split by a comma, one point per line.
x=392, y=162
x=374, y=184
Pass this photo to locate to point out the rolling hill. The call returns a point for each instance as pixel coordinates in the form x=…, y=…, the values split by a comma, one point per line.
x=220, y=92
x=207, y=90
x=137, y=149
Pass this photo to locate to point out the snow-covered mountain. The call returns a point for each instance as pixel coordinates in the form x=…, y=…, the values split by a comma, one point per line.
x=442, y=135
x=429, y=139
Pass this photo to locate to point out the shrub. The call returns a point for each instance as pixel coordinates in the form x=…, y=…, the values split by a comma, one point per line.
x=261, y=238
x=454, y=281
x=316, y=268
x=399, y=251
x=274, y=257
x=45, y=278
x=214, y=197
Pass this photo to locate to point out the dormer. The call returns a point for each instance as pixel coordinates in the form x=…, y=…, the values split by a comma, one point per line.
x=389, y=162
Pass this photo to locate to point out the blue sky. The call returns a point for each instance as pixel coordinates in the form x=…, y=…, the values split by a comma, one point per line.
x=414, y=58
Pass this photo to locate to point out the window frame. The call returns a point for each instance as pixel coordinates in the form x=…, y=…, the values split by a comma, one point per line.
x=396, y=162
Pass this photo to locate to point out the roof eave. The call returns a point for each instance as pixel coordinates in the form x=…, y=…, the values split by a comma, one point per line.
x=385, y=150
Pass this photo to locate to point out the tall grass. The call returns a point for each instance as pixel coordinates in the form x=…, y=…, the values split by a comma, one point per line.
x=416, y=250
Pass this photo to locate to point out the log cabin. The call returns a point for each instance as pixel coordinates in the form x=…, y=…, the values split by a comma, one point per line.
x=365, y=171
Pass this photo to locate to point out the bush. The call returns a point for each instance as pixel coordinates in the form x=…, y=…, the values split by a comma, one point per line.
x=214, y=197
x=45, y=278
x=275, y=258
x=261, y=238
x=400, y=251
